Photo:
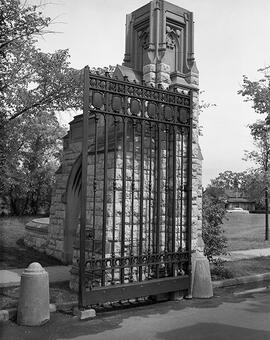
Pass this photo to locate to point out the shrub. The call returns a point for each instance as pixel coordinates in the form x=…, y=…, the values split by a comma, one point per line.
x=212, y=232
x=218, y=271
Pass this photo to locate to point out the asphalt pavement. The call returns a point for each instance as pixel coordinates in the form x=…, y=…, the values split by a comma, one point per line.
x=228, y=315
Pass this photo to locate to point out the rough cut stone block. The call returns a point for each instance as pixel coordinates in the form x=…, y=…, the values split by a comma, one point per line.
x=149, y=68
x=163, y=68
x=85, y=314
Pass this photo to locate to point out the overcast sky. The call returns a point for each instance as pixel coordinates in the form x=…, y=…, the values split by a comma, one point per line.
x=231, y=39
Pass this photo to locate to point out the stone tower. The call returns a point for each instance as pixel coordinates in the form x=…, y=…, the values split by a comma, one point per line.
x=159, y=52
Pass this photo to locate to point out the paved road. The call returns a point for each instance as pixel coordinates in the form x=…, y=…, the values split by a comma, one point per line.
x=226, y=317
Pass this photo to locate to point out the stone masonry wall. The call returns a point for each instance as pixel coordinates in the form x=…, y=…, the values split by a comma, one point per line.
x=134, y=187
x=72, y=150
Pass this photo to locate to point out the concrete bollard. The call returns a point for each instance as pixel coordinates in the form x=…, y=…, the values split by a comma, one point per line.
x=33, y=307
x=201, y=277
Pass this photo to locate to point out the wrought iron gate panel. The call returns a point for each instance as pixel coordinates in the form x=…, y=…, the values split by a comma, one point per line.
x=135, y=236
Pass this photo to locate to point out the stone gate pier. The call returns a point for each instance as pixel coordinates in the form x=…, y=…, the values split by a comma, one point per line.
x=159, y=54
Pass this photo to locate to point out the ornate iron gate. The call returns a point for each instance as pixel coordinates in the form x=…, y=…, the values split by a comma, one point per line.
x=135, y=233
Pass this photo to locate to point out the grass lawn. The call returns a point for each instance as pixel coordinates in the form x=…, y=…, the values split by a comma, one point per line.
x=245, y=231
x=232, y=269
x=258, y=265
x=13, y=253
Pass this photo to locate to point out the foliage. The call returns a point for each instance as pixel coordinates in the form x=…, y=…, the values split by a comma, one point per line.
x=258, y=92
x=34, y=85
x=212, y=232
x=249, y=184
x=34, y=153
x=261, y=135
x=219, y=272
x=32, y=80
x=229, y=180
x=253, y=187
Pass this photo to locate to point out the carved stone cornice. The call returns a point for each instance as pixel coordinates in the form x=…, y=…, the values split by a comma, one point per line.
x=172, y=35
x=144, y=38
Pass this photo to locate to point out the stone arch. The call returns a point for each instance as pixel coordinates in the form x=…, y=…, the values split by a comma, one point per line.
x=72, y=213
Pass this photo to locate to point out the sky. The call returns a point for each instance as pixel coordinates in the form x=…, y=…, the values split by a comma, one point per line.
x=231, y=40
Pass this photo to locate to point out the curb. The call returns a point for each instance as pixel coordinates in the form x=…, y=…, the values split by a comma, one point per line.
x=241, y=280
x=10, y=313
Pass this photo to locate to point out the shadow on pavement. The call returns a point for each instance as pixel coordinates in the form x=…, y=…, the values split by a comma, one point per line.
x=213, y=331
x=65, y=326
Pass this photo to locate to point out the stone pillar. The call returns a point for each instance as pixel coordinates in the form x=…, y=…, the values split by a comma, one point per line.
x=163, y=75
x=149, y=74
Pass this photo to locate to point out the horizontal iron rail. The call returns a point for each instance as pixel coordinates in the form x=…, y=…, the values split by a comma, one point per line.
x=150, y=120
x=147, y=99
x=136, y=260
x=150, y=88
x=135, y=290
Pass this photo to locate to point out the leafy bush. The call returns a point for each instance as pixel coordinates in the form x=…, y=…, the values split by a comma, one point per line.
x=218, y=271
x=212, y=232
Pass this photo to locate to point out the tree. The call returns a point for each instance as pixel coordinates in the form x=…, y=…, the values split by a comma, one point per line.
x=249, y=184
x=258, y=92
x=35, y=152
x=229, y=180
x=32, y=80
x=33, y=86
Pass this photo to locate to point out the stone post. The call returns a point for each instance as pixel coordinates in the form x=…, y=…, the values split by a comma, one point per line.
x=33, y=307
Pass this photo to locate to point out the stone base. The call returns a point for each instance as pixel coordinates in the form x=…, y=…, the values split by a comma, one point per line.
x=177, y=296
x=160, y=297
x=85, y=313
x=201, y=286
x=36, y=234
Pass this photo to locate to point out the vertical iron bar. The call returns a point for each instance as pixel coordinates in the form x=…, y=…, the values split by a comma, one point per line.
x=189, y=197
x=150, y=196
x=105, y=186
x=94, y=187
x=181, y=187
x=123, y=201
x=132, y=195
x=141, y=198
x=167, y=210
x=104, y=218
x=158, y=197
x=86, y=102
x=114, y=193
x=174, y=197
x=167, y=229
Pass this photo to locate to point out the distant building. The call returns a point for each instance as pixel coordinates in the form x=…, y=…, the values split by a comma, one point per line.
x=235, y=200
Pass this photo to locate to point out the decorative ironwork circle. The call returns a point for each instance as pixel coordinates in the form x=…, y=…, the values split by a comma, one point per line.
x=135, y=107
x=116, y=103
x=183, y=115
x=93, y=82
x=152, y=110
x=98, y=100
x=168, y=112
